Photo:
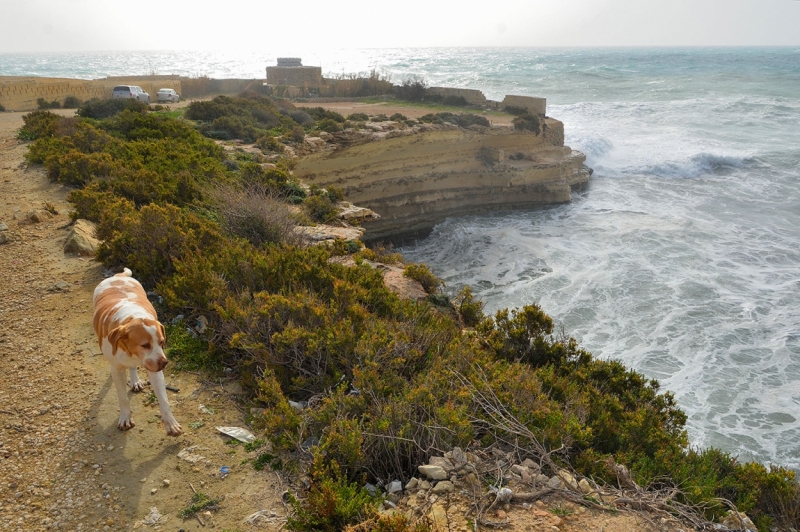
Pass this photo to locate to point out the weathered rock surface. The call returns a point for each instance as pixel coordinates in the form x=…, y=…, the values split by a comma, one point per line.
x=417, y=176
x=81, y=239
x=433, y=472
x=322, y=233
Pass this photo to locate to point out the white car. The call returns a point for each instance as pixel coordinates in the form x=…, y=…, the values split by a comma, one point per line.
x=168, y=95
x=132, y=92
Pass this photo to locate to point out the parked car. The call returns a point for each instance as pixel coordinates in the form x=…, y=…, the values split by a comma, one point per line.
x=132, y=92
x=168, y=95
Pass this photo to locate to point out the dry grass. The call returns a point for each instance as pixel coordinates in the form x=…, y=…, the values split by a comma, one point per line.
x=256, y=214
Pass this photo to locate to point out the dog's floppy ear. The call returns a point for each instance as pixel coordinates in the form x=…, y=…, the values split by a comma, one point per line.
x=162, y=332
x=116, y=336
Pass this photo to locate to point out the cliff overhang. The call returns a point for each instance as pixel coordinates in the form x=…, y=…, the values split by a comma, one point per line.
x=417, y=178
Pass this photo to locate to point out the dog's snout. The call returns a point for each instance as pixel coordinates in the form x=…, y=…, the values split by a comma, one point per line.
x=162, y=363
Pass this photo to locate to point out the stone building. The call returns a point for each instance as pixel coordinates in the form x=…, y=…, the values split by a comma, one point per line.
x=290, y=71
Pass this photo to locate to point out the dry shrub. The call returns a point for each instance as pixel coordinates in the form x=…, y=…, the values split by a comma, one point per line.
x=257, y=214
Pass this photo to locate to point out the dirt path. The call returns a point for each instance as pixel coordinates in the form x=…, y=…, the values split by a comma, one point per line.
x=63, y=463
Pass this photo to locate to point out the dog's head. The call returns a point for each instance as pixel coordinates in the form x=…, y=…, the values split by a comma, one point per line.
x=142, y=338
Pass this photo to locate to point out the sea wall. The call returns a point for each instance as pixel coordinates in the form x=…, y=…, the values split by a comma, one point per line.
x=415, y=181
x=529, y=103
x=472, y=96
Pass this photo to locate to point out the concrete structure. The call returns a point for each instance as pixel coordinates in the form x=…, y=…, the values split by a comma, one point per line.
x=472, y=96
x=290, y=71
x=533, y=105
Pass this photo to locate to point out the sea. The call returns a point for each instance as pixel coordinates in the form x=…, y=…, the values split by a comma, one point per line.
x=681, y=259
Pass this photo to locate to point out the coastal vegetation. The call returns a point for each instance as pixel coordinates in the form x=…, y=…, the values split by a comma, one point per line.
x=388, y=382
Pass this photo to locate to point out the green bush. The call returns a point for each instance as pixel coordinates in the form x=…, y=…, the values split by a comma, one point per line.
x=319, y=208
x=97, y=108
x=412, y=89
x=527, y=122
x=39, y=124
x=320, y=113
x=329, y=125
x=331, y=505
x=420, y=273
x=44, y=104
x=358, y=117
x=397, y=117
x=461, y=120
x=469, y=309
x=72, y=102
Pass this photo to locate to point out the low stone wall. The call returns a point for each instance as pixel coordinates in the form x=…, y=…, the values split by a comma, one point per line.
x=531, y=104
x=297, y=76
x=472, y=96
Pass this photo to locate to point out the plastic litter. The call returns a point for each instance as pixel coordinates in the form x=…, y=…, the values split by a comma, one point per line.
x=239, y=433
x=224, y=471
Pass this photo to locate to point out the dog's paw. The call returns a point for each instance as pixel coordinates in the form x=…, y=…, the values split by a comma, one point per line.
x=137, y=387
x=125, y=423
x=173, y=427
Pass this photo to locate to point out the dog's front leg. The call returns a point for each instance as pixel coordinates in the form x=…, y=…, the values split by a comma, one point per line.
x=159, y=387
x=136, y=385
x=125, y=421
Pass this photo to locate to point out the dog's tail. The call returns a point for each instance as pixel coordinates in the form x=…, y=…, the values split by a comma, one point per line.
x=126, y=272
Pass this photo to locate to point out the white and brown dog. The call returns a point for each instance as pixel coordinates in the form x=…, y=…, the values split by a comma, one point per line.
x=130, y=335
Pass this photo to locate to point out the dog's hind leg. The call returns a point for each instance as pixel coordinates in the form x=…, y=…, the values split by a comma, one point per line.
x=160, y=389
x=125, y=420
x=136, y=385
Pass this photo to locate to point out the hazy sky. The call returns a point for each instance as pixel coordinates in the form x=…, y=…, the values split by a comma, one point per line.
x=83, y=25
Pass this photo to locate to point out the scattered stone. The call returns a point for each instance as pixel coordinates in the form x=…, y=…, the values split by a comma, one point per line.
x=530, y=464
x=37, y=216
x=585, y=487
x=737, y=521
x=442, y=462
x=412, y=483
x=433, y=472
x=424, y=485
x=443, y=486
x=4, y=238
x=81, y=239
x=153, y=491
x=394, y=486
x=556, y=483
x=3, y=227
x=165, y=482
x=59, y=286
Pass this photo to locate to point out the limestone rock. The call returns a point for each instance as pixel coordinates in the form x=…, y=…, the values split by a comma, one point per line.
x=585, y=487
x=530, y=464
x=738, y=521
x=433, y=472
x=555, y=483
x=442, y=462
x=81, y=239
x=4, y=238
x=568, y=479
x=438, y=518
x=37, y=216
x=412, y=483
x=323, y=233
x=350, y=212
x=443, y=486
x=3, y=227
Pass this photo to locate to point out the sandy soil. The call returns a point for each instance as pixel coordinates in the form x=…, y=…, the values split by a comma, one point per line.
x=64, y=464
